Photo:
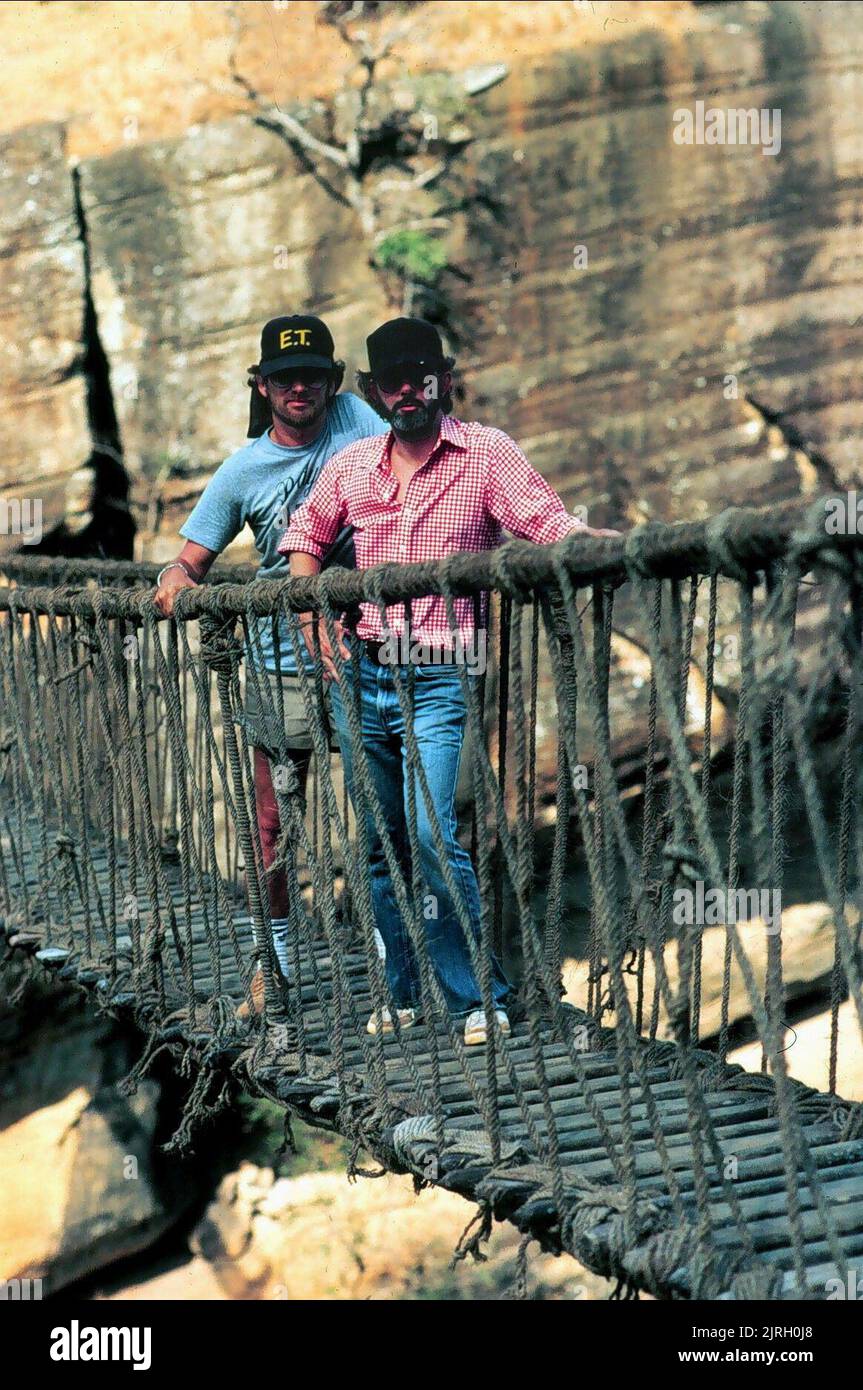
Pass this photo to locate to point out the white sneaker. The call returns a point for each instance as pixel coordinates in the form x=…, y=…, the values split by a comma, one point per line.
x=476, y=1026
x=407, y=1018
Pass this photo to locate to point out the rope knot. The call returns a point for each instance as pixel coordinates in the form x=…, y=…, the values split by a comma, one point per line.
x=501, y=567
x=377, y=580
x=721, y=548
x=286, y=780
x=812, y=536
x=221, y=649
x=636, y=549
x=850, y=1121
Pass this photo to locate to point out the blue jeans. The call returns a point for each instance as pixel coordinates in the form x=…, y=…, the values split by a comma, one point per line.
x=439, y=723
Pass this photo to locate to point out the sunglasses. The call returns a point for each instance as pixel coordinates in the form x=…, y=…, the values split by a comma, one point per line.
x=315, y=377
x=411, y=374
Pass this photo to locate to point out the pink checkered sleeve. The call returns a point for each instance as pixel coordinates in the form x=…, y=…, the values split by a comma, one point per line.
x=315, y=525
x=521, y=500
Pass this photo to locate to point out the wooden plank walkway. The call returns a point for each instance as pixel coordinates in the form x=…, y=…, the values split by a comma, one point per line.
x=518, y=1189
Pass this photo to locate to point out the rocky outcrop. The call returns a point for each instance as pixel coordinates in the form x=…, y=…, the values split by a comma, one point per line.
x=318, y=1237
x=808, y=950
x=648, y=286
x=83, y=1182
x=807, y=1052
x=44, y=432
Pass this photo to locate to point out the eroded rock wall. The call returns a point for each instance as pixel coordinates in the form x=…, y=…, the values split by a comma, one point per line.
x=84, y=1182
x=705, y=274
x=44, y=432
x=195, y=245
x=710, y=269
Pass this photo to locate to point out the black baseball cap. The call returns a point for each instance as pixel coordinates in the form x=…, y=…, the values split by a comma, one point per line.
x=295, y=340
x=404, y=340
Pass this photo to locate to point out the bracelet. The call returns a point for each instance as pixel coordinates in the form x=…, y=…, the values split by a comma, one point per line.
x=175, y=565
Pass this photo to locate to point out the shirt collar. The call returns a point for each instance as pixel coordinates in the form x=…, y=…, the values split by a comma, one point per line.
x=451, y=432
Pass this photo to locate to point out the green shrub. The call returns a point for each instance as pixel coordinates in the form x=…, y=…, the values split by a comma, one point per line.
x=413, y=255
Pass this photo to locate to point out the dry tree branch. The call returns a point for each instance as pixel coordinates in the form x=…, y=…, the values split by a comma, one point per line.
x=273, y=112
x=410, y=185
x=367, y=53
x=347, y=156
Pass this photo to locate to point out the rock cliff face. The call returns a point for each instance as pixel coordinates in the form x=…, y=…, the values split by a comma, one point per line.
x=195, y=245
x=44, y=433
x=84, y=1184
x=614, y=296
x=712, y=271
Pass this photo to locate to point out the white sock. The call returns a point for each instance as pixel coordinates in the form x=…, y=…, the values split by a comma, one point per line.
x=281, y=927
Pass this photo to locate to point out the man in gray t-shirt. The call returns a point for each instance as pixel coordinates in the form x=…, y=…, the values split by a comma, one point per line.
x=261, y=485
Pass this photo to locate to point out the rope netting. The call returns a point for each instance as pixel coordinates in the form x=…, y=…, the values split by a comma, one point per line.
x=662, y=723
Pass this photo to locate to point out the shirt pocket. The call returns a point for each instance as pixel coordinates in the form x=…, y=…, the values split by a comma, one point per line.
x=368, y=520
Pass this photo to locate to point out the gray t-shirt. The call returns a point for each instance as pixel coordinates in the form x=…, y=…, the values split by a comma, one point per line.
x=262, y=484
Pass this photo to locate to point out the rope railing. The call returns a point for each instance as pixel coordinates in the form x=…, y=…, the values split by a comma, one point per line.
x=618, y=774
x=733, y=543
x=54, y=569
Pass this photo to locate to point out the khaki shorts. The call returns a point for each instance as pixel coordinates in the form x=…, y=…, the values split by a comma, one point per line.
x=262, y=725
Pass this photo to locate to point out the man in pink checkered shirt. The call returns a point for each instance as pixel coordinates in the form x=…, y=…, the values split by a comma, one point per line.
x=431, y=486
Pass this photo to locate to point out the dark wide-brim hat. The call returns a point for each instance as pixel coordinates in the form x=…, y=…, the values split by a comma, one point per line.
x=295, y=340
x=404, y=340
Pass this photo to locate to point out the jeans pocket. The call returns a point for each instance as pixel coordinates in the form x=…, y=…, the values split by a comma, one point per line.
x=448, y=671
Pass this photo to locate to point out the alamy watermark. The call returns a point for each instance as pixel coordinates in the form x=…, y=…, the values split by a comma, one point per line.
x=710, y=907
x=720, y=125
x=20, y=1290
x=77, y=1343
x=403, y=649
x=21, y=516
x=850, y=1288
x=843, y=516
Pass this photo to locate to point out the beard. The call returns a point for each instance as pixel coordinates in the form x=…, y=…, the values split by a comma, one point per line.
x=412, y=424
x=301, y=419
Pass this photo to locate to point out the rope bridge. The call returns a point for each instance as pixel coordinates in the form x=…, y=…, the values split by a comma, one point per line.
x=613, y=759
